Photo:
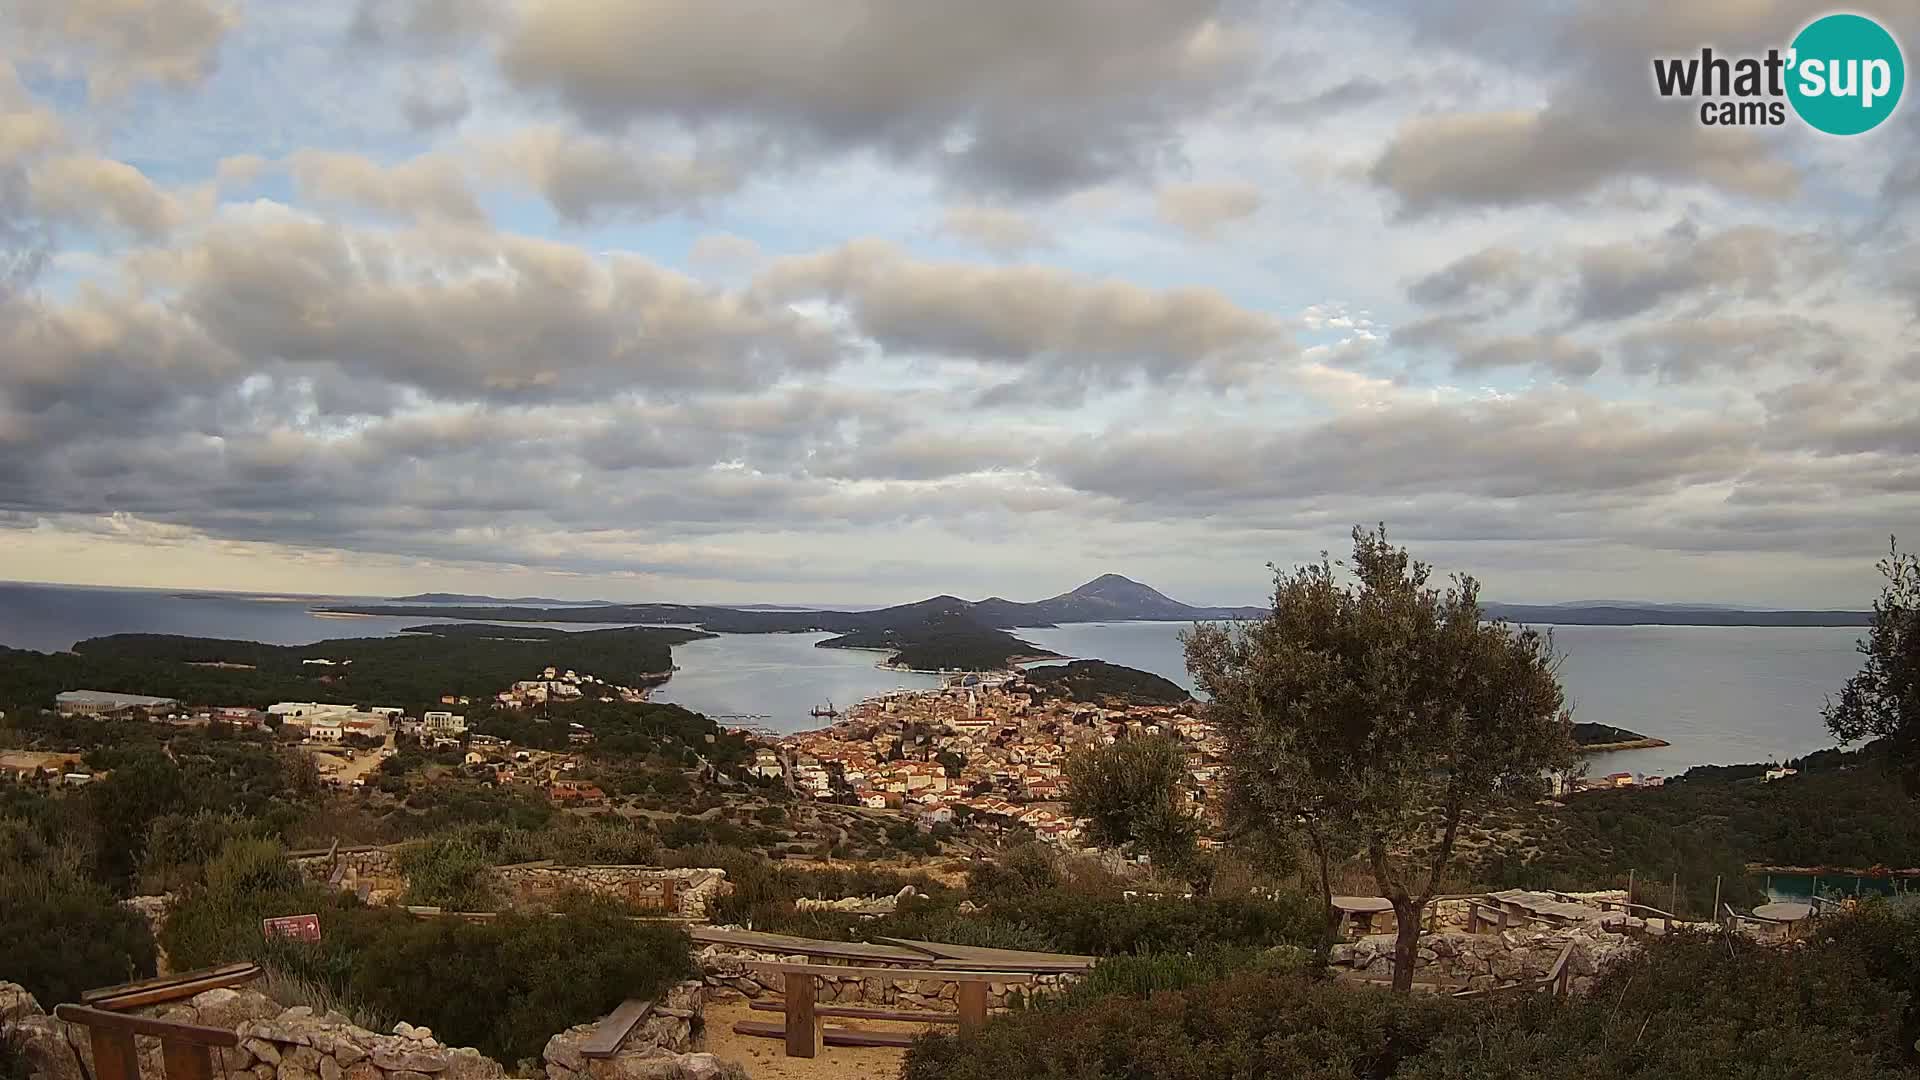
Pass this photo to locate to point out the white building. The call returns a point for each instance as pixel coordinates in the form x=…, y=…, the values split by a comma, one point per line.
x=309, y=710
x=443, y=723
x=326, y=730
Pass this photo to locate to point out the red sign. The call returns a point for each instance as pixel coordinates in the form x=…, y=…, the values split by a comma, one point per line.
x=292, y=927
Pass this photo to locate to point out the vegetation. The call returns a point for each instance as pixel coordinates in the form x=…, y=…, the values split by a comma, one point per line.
x=1384, y=709
x=1684, y=1006
x=411, y=671
x=1843, y=810
x=504, y=986
x=63, y=932
x=1102, y=683
x=1588, y=735
x=1883, y=699
x=1134, y=795
x=941, y=644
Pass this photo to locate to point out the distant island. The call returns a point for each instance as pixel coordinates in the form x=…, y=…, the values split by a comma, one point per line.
x=947, y=633
x=1598, y=738
x=469, y=598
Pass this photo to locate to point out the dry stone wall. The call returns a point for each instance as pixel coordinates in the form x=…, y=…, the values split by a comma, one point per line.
x=297, y=1044
x=376, y=875
x=729, y=978
x=275, y=1044
x=1483, y=961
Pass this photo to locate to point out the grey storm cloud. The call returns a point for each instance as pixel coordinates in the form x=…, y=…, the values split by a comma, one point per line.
x=1003, y=95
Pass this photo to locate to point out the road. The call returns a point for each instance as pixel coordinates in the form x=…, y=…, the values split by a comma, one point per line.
x=333, y=764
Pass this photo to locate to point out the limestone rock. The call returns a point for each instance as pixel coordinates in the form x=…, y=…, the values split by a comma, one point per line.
x=330, y=1069
x=228, y=1008
x=16, y=1003
x=419, y=1061
x=264, y=1050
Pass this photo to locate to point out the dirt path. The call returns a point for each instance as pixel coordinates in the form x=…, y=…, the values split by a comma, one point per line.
x=765, y=1059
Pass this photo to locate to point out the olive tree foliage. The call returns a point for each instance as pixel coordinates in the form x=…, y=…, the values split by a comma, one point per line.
x=1133, y=795
x=1373, y=712
x=1882, y=700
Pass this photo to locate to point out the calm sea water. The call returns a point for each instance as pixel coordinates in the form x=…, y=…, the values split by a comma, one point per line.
x=1720, y=695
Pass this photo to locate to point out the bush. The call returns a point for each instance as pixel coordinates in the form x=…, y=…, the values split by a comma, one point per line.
x=61, y=934
x=1686, y=1006
x=450, y=873
x=1250, y=1025
x=1077, y=923
x=508, y=985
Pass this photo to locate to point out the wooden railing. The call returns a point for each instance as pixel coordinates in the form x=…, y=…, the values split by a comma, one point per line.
x=1557, y=980
x=185, y=1049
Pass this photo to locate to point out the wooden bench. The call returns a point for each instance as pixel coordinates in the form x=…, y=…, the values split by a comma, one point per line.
x=802, y=1030
x=829, y=1036
x=612, y=1031
x=184, y=1048
x=865, y=1012
x=165, y=988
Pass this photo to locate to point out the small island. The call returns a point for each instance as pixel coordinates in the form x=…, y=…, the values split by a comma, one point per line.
x=1598, y=738
x=1100, y=683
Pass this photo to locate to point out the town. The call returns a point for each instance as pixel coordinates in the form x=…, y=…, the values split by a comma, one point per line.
x=981, y=745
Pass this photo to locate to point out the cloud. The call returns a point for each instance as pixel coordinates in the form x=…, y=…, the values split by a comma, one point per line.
x=1615, y=281
x=120, y=43
x=1501, y=274
x=586, y=177
x=1516, y=157
x=1200, y=209
x=1001, y=96
x=1563, y=356
x=99, y=193
x=996, y=229
x=436, y=98
x=424, y=188
x=1065, y=329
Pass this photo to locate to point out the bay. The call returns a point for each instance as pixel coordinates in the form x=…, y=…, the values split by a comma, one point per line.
x=1720, y=695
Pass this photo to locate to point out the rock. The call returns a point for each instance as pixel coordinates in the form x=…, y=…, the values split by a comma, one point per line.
x=406, y=1074
x=362, y=1070
x=305, y=1058
x=330, y=1069
x=298, y=1012
x=419, y=1061
x=295, y=1072
x=466, y=1063
x=230, y=1008
x=403, y=1029
x=264, y=1050
x=348, y=1053
x=16, y=1003
x=263, y=1071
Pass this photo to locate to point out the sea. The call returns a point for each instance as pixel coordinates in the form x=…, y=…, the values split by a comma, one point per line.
x=1719, y=695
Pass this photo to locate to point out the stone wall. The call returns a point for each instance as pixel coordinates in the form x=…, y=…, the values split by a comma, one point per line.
x=659, y=1049
x=374, y=873
x=275, y=1044
x=1482, y=961
x=728, y=978
x=535, y=883
x=297, y=1044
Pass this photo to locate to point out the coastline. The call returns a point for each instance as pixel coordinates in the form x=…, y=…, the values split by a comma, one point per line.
x=1630, y=744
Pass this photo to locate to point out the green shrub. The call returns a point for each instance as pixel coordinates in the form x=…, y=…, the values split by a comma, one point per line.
x=61, y=933
x=508, y=985
x=455, y=874
x=1249, y=1025
x=1077, y=923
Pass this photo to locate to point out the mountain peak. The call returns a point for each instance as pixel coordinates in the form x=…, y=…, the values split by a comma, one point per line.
x=1116, y=587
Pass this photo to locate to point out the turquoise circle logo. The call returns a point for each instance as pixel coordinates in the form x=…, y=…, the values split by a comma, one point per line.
x=1847, y=74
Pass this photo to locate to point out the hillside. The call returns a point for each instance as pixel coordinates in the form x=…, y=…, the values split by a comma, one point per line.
x=411, y=671
x=1100, y=682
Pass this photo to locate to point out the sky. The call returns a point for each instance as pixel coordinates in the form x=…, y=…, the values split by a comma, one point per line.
x=868, y=300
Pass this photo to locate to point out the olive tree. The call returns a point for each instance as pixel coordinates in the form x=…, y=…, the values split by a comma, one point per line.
x=1371, y=708
x=1133, y=795
x=1882, y=700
